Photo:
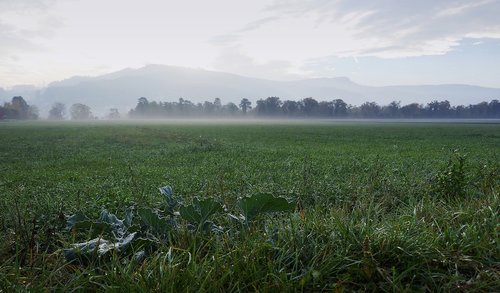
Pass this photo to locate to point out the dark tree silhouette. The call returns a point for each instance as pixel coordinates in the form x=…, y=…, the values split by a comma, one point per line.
x=230, y=108
x=290, y=108
x=325, y=109
x=369, y=110
x=339, y=108
x=392, y=110
x=57, y=112
x=309, y=106
x=18, y=109
x=21, y=107
x=217, y=105
x=81, y=112
x=269, y=107
x=245, y=105
x=413, y=110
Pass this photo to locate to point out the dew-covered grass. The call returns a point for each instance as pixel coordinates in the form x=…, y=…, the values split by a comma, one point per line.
x=378, y=210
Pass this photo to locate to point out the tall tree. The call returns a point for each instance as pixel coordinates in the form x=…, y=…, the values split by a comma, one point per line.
x=392, y=110
x=325, y=109
x=369, y=110
x=339, y=108
x=245, y=105
x=21, y=107
x=269, y=107
x=230, y=108
x=208, y=108
x=80, y=112
x=290, y=108
x=217, y=105
x=479, y=110
x=142, y=106
x=57, y=112
x=309, y=106
x=494, y=108
x=413, y=110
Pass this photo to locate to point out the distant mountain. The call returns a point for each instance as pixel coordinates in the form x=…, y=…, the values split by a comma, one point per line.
x=121, y=89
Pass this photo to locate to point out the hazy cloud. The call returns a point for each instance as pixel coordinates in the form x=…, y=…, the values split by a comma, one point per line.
x=233, y=37
x=401, y=28
x=25, y=26
x=472, y=61
x=223, y=40
x=298, y=35
x=462, y=8
x=234, y=60
x=23, y=23
x=257, y=24
x=25, y=6
x=12, y=41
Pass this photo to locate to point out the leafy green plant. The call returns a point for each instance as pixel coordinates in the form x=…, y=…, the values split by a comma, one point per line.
x=262, y=203
x=171, y=202
x=451, y=181
x=156, y=225
x=122, y=237
x=199, y=212
x=110, y=235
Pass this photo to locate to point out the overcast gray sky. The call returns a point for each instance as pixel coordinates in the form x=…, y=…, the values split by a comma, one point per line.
x=378, y=42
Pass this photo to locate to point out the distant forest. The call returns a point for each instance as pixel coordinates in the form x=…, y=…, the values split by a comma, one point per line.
x=311, y=108
x=271, y=107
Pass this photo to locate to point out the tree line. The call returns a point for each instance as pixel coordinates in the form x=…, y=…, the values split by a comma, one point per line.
x=19, y=109
x=186, y=108
x=270, y=107
x=78, y=111
x=311, y=108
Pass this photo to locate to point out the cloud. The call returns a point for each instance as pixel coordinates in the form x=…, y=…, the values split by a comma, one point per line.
x=400, y=28
x=23, y=23
x=233, y=37
x=13, y=42
x=461, y=8
x=311, y=33
x=234, y=60
x=25, y=26
x=24, y=5
x=257, y=24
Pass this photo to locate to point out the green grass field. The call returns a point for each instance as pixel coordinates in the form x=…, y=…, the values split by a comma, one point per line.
x=385, y=206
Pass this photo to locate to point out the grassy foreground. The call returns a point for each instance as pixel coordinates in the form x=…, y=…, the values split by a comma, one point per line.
x=392, y=207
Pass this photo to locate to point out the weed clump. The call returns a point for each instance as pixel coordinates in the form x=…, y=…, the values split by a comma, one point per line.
x=451, y=181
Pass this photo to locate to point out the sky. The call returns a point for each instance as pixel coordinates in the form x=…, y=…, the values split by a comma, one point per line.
x=382, y=42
